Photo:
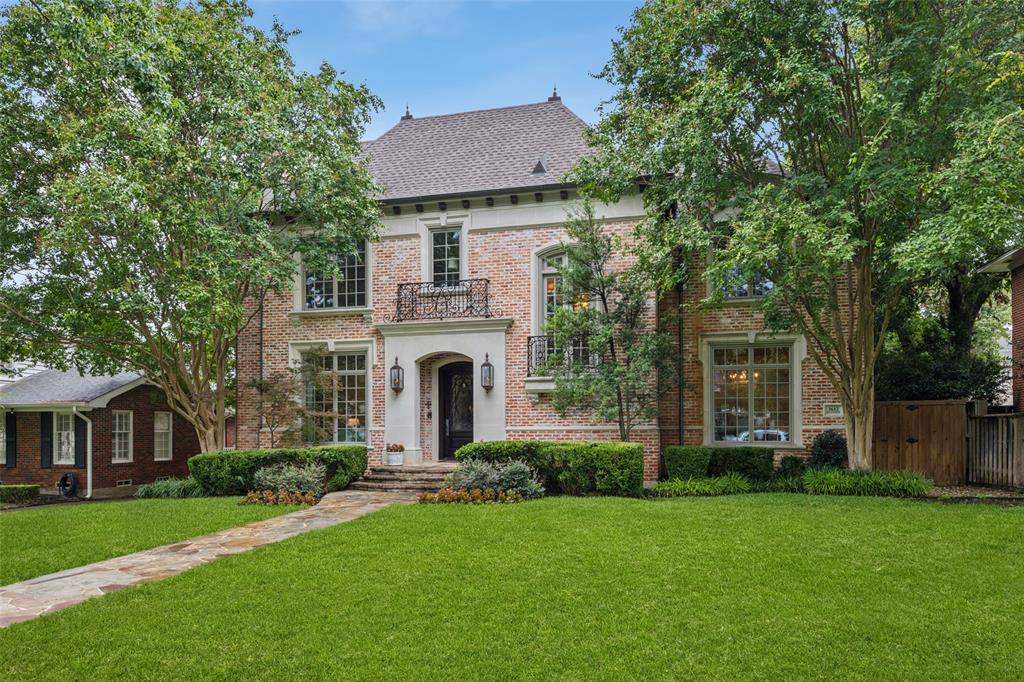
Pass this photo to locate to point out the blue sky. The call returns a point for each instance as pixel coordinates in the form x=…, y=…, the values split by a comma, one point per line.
x=444, y=56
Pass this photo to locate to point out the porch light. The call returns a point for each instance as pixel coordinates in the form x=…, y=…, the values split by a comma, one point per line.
x=397, y=377
x=487, y=373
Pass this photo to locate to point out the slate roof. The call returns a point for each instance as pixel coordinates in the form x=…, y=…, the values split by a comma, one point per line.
x=477, y=152
x=54, y=386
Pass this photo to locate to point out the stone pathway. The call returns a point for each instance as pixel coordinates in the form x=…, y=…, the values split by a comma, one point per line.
x=48, y=593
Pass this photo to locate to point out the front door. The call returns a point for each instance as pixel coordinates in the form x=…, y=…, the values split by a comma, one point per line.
x=455, y=393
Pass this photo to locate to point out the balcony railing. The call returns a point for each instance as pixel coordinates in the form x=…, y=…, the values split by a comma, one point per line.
x=443, y=300
x=540, y=349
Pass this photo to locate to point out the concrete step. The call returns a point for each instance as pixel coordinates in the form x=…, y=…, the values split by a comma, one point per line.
x=396, y=476
x=443, y=469
x=396, y=486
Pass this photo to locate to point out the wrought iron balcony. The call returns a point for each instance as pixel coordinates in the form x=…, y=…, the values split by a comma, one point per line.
x=541, y=348
x=443, y=300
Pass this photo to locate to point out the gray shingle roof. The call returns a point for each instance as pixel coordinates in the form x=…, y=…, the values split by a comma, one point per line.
x=54, y=386
x=477, y=151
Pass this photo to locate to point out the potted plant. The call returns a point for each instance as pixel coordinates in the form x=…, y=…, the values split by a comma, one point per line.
x=396, y=453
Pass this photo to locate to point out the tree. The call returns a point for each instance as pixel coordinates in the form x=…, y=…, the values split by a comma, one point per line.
x=845, y=151
x=160, y=165
x=287, y=419
x=608, y=356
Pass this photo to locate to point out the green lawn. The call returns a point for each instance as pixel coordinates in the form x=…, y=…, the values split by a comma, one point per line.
x=750, y=586
x=42, y=540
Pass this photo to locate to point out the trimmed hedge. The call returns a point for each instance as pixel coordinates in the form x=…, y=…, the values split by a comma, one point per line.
x=730, y=484
x=18, y=494
x=232, y=472
x=859, y=482
x=574, y=468
x=756, y=464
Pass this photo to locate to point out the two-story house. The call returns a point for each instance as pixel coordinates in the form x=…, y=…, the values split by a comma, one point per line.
x=435, y=332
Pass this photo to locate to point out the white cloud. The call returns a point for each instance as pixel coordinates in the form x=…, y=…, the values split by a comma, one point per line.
x=404, y=18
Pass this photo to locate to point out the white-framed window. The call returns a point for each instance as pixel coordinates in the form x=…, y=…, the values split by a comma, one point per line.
x=346, y=289
x=163, y=428
x=752, y=393
x=551, y=294
x=121, y=436
x=63, y=438
x=338, y=400
x=3, y=438
x=446, y=256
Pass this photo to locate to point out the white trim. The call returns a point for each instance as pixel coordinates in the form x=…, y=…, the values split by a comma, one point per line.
x=170, y=436
x=470, y=326
x=443, y=221
x=333, y=347
x=798, y=353
x=536, y=277
x=104, y=400
x=56, y=440
x=131, y=437
x=299, y=290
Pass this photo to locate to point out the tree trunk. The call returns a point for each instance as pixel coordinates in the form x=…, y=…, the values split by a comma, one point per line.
x=860, y=432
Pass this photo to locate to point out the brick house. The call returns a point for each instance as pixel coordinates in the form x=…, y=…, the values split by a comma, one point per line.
x=461, y=282
x=1013, y=263
x=113, y=433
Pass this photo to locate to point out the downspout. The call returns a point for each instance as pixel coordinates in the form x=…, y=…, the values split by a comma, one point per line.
x=88, y=451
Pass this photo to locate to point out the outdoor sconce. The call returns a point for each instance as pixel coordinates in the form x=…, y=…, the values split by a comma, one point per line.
x=487, y=373
x=397, y=377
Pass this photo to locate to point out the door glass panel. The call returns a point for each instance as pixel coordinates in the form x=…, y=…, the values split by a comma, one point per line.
x=462, y=402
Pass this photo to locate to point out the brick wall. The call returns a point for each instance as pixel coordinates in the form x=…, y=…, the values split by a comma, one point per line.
x=143, y=402
x=1018, y=339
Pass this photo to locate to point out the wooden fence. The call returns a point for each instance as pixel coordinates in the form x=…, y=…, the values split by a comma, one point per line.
x=927, y=436
x=995, y=450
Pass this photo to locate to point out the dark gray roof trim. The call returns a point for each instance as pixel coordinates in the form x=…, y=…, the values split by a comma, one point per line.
x=53, y=386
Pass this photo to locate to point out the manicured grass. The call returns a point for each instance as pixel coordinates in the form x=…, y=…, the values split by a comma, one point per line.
x=42, y=540
x=751, y=586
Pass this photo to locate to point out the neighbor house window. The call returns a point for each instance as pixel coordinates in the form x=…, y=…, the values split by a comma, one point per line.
x=346, y=289
x=751, y=388
x=121, y=432
x=64, y=438
x=162, y=445
x=336, y=399
x=446, y=256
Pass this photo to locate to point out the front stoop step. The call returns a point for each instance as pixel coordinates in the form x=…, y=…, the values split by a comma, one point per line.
x=415, y=478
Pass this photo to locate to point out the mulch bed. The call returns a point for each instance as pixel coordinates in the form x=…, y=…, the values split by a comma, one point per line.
x=975, y=493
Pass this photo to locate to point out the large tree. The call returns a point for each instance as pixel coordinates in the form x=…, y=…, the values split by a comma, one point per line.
x=161, y=164
x=847, y=151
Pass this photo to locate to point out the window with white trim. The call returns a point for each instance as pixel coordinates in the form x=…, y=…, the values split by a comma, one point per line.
x=346, y=289
x=446, y=256
x=751, y=388
x=552, y=297
x=163, y=423
x=337, y=400
x=63, y=438
x=121, y=436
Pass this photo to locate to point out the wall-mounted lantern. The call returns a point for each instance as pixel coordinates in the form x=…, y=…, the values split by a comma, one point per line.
x=487, y=373
x=397, y=377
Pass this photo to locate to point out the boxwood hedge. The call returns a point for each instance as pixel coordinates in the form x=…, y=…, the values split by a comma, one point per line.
x=231, y=472
x=18, y=494
x=756, y=464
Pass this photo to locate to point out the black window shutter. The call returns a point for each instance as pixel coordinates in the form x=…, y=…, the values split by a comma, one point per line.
x=46, y=439
x=11, y=436
x=80, y=442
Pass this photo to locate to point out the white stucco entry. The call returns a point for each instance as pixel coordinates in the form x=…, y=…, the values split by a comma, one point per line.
x=411, y=342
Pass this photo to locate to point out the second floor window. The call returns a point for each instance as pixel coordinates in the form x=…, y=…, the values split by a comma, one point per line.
x=347, y=289
x=755, y=287
x=551, y=285
x=446, y=256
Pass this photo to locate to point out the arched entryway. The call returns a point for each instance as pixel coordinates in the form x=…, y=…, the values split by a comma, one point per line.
x=454, y=407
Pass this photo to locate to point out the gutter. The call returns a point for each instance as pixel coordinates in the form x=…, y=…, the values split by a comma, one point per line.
x=88, y=451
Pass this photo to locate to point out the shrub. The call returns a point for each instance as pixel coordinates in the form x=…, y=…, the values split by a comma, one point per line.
x=729, y=484
x=756, y=464
x=271, y=497
x=536, y=454
x=307, y=477
x=858, y=482
x=478, y=474
x=687, y=462
x=829, y=450
x=170, y=488
x=232, y=472
x=791, y=466
x=601, y=468
x=18, y=494
x=474, y=496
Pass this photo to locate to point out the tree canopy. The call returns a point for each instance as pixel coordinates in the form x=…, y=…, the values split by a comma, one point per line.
x=160, y=165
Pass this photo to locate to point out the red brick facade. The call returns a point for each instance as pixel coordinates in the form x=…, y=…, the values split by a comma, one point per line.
x=1018, y=339
x=142, y=401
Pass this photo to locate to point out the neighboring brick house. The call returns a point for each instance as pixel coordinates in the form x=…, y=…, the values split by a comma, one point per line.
x=463, y=278
x=112, y=432
x=1013, y=263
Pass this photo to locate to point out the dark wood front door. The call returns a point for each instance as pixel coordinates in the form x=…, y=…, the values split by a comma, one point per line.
x=455, y=394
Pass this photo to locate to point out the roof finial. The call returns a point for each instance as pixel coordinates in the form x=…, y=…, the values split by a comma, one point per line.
x=407, y=115
x=554, y=95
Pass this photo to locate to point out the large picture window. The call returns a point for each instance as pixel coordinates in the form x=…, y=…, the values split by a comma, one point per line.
x=345, y=290
x=63, y=438
x=337, y=398
x=751, y=393
x=446, y=256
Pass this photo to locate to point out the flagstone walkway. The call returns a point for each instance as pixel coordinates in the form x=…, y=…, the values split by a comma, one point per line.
x=48, y=593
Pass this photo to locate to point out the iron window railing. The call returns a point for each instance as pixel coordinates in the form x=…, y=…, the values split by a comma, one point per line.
x=443, y=300
x=540, y=349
